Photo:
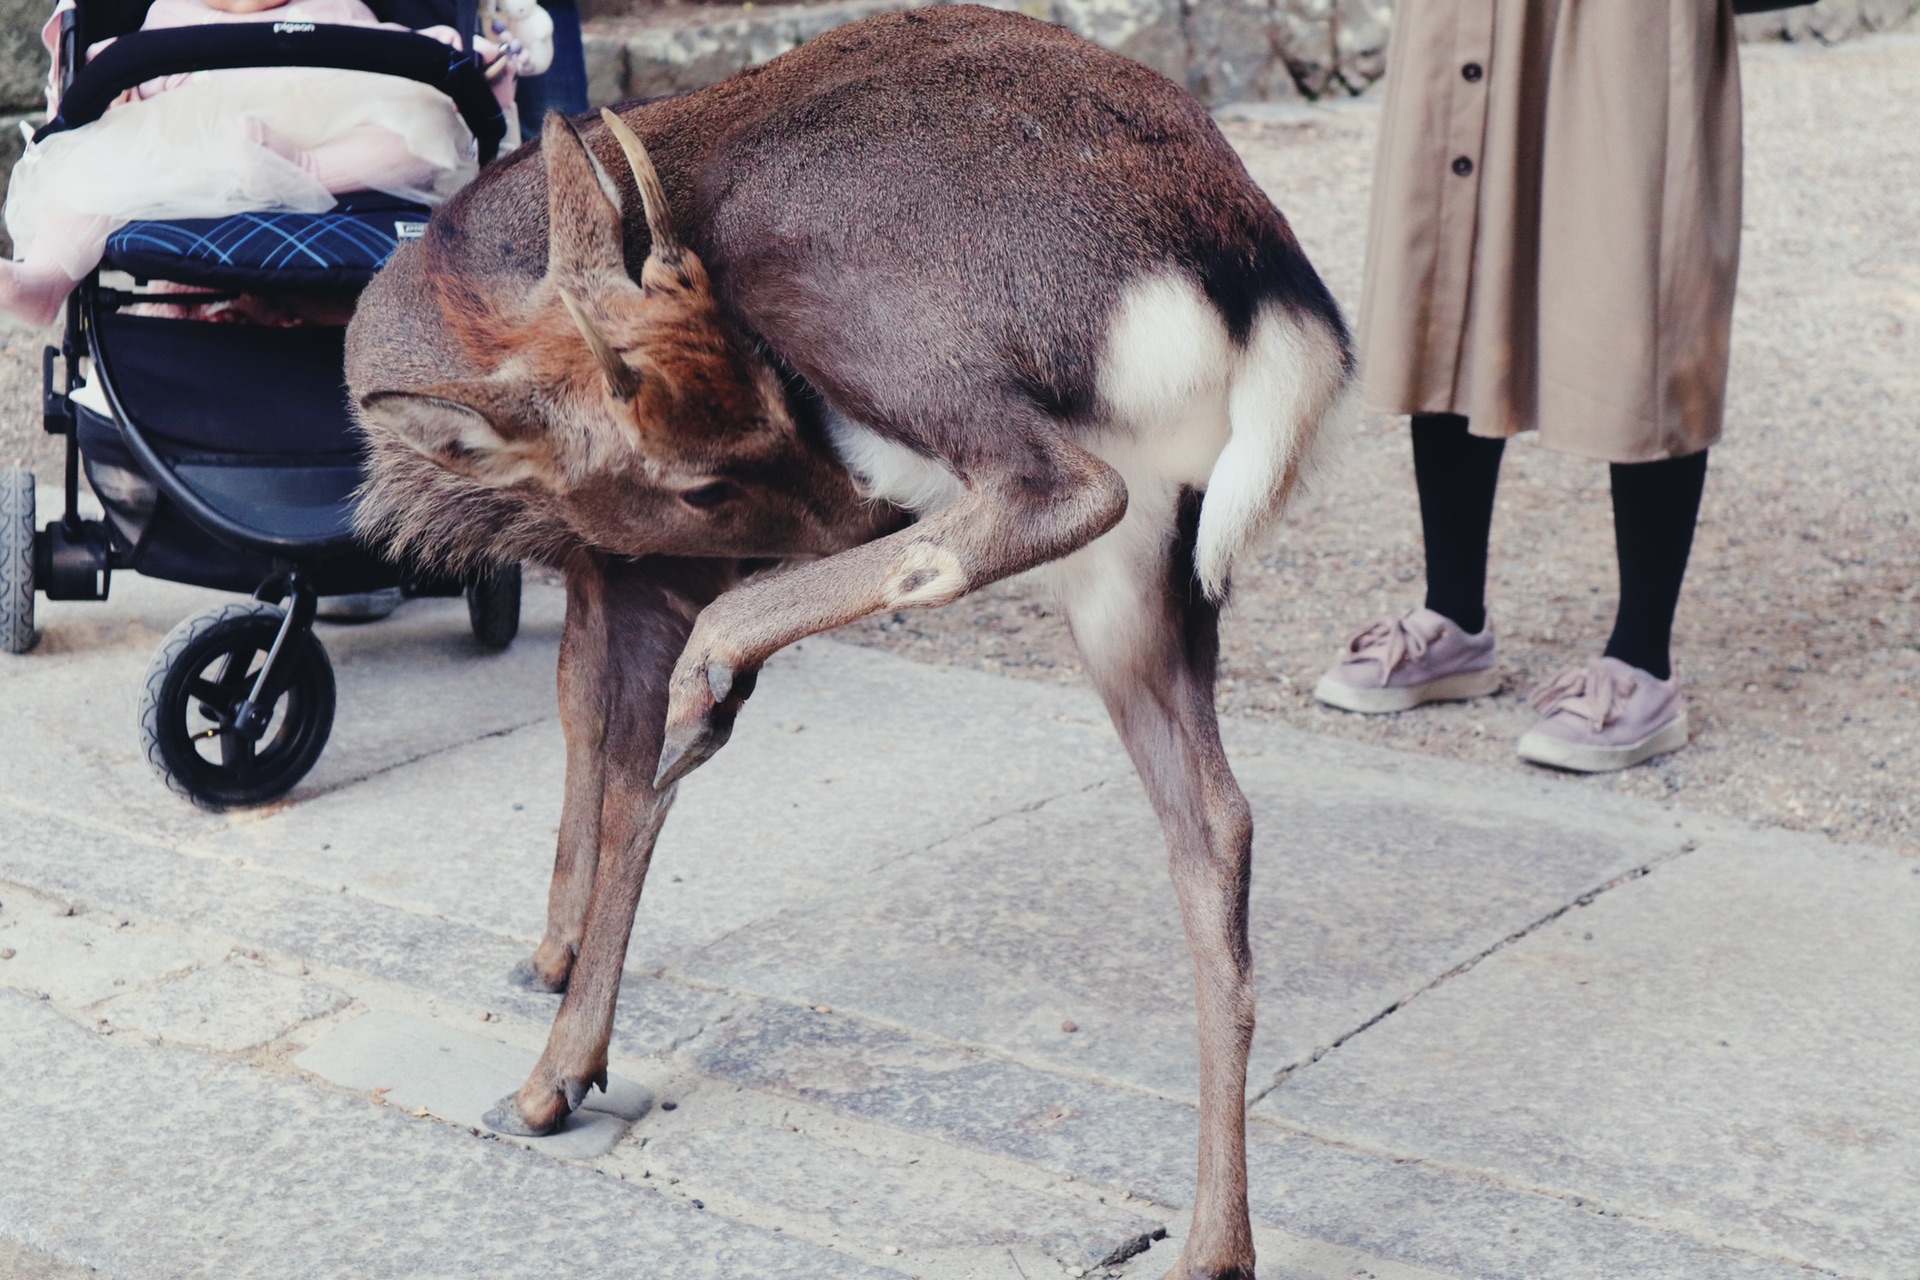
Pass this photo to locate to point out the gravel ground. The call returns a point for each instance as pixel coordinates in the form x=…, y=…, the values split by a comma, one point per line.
x=22, y=442
x=1799, y=635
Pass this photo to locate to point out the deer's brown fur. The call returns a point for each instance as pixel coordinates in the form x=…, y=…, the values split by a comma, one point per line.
x=937, y=298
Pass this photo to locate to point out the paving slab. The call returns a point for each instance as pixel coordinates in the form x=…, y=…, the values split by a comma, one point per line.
x=226, y=1007
x=1285, y=1256
x=924, y=1206
x=72, y=739
x=20, y=1263
x=324, y=928
x=79, y=957
x=1362, y=894
x=408, y=686
x=1725, y=1047
x=419, y=1065
x=1380, y=1206
x=288, y=1181
x=466, y=834
x=417, y=683
x=809, y=797
x=855, y=758
x=1060, y=1123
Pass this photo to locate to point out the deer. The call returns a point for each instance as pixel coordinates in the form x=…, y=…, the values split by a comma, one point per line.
x=940, y=297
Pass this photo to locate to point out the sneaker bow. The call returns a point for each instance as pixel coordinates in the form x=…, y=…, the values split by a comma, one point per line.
x=1389, y=642
x=1594, y=692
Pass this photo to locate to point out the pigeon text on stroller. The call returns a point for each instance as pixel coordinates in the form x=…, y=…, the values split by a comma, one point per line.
x=292, y=27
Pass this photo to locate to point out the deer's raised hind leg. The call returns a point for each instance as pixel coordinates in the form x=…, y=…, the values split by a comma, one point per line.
x=1036, y=499
x=1149, y=639
x=642, y=613
x=583, y=721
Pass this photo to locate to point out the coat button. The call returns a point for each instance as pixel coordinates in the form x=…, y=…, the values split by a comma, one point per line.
x=1472, y=72
x=1462, y=165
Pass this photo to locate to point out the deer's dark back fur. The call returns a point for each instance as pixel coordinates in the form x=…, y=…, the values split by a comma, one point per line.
x=923, y=213
x=927, y=218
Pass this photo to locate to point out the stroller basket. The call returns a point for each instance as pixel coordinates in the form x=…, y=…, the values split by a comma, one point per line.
x=266, y=453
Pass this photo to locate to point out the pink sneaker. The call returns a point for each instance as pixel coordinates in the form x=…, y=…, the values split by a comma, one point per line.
x=1606, y=715
x=1397, y=663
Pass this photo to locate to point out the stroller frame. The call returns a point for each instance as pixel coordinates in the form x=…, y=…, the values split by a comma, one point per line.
x=271, y=718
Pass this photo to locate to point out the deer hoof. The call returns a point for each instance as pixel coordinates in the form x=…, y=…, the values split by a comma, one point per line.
x=687, y=747
x=528, y=977
x=507, y=1117
x=700, y=719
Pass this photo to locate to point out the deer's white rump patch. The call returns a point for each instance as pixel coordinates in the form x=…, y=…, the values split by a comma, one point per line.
x=1189, y=407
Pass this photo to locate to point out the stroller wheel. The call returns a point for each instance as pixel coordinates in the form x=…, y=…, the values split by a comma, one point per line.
x=493, y=606
x=202, y=674
x=16, y=560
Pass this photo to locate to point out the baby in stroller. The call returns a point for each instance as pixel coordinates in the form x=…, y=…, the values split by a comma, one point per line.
x=211, y=143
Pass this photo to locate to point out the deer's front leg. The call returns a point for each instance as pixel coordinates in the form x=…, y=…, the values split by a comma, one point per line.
x=1041, y=499
x=645, y=610
x=582, y=683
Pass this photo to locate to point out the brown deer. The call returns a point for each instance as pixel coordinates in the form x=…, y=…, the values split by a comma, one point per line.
x=937, y=298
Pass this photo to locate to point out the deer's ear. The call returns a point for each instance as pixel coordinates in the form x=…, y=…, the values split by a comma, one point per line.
x=584, y=236
x=440, y=425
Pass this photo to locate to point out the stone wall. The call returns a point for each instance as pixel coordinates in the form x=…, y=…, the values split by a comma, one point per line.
x=23, y=74
x=1829, y=21
x=1222, y=50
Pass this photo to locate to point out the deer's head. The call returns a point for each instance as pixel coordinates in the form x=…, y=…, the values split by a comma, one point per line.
x=633, y=413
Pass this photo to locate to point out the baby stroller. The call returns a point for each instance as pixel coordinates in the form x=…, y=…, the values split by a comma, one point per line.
x=224, y=455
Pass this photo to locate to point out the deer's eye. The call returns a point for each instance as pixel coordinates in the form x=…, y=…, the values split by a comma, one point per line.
x=709, y=496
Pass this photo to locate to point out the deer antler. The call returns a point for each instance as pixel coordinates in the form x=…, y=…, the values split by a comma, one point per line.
x=621, y=378
x=653, y=197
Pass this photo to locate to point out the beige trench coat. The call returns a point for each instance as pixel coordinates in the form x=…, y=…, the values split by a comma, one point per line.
x=1556, y=221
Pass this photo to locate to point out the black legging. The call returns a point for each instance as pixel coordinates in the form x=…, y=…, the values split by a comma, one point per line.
x=1655, y=505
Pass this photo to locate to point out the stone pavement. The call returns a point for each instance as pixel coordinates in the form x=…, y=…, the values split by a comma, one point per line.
x=1508, y=1028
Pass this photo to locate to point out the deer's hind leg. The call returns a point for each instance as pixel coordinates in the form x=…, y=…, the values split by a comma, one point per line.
x=1150, y=638
x=642, y=612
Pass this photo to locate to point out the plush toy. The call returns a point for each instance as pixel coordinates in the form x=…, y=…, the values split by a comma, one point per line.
x=524, y=29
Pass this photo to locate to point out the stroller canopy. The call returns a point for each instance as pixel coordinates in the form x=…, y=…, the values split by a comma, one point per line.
x=104, y=19
x=136, y=56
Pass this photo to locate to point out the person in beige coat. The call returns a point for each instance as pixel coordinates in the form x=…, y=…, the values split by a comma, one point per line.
x=1553, y=246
